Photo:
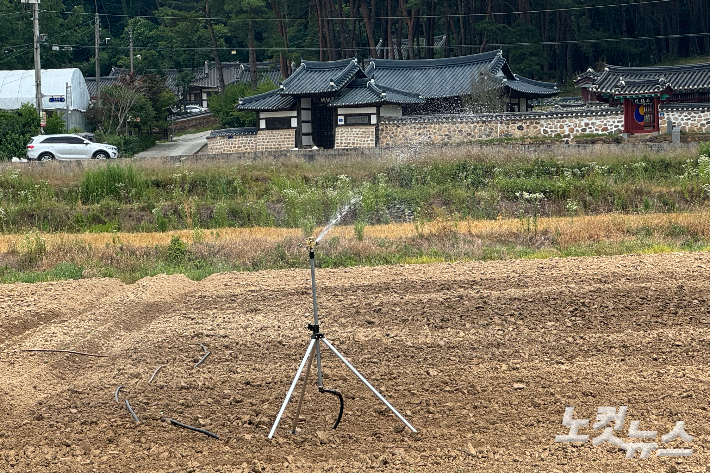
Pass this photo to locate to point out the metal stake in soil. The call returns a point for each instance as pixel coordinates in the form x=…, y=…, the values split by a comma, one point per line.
x=314, y=349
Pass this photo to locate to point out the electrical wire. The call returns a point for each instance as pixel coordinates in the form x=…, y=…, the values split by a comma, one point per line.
x=455, y=15
x=500, y=45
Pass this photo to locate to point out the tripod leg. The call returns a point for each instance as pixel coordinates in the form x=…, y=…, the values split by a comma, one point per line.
x=293, y=385
x=303, y=391
x=362, y=378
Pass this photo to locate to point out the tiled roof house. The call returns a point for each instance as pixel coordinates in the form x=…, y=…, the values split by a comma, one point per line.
x=320, y=100
x=443, y=82
x=325, y=102
x=643, y=91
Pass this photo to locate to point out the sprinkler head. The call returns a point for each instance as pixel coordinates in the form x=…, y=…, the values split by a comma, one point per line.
x=311, y=243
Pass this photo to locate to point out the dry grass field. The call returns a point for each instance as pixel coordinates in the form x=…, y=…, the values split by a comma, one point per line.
x=569, y=230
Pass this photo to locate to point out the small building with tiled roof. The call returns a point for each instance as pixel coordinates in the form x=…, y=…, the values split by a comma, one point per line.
x=325, y=102
x=643, y=90
x=206, y=81
x=443, y=83
x=585, y=81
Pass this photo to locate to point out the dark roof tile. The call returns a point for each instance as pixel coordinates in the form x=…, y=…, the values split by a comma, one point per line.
x=313, y=77
x=271, y=100
x=364, y=92
x=587, y=77
x=532, y=88
x=437, y=78
x=617, y=80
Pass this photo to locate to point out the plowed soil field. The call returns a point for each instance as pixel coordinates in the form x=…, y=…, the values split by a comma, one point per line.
x=482, y=358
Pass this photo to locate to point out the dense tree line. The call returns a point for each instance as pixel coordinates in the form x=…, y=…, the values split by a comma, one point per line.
x=542, y=39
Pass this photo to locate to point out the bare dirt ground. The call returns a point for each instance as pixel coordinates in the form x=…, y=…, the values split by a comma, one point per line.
x=482, y=358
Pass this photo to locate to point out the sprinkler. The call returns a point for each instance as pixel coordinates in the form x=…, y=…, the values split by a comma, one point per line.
x=314, y=349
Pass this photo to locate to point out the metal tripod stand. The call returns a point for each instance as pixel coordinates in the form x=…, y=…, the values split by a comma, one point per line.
x=316, y=338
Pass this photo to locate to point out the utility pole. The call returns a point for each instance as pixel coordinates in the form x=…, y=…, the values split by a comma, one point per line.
x=97, y=28
x=130, y=36
x=38, y=67
x=66, y=103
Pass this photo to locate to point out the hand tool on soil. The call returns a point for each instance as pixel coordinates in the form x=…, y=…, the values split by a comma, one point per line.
x=312, y=351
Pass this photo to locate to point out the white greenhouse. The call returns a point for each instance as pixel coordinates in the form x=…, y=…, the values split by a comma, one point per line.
x=63, y=89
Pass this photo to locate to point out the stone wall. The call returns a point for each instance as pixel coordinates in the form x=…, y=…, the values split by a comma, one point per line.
x=355, y=137
x=265, y=140
x=452, y=129
x=448, y=129
x=231, y=144
x=691, y=118
x=275, y=139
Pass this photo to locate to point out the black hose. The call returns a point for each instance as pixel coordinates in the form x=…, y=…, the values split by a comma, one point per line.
x=135, y=417
x=202, y=431
x=342, y=404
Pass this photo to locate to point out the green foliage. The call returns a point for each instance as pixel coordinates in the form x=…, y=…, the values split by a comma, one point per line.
x=32, y=249
x=127, y=145
x=695, y=181
x=223, y=105
x=160, y=98
x=56, y=124
x=307, y=195
x=172, y=34
x=177, y=249
x=375, y=197
x=120, y=183
x=161, y=221
x=16, y=129
x=527, y=59
x=360, y=230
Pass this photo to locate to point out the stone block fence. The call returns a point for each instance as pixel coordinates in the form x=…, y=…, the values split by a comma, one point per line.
x=239, y=140
x=457, y=129
x=452, y=129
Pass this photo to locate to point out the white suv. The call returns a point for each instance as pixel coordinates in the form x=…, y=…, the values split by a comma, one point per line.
x=50, y=147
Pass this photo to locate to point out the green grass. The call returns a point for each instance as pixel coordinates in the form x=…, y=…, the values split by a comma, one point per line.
x=296, y=194
x=291, y=193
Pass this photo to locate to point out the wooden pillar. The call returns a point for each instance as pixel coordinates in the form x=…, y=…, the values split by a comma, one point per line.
x=628, y=115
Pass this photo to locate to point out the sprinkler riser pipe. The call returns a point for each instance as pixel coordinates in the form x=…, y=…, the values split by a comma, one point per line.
x=319, y=370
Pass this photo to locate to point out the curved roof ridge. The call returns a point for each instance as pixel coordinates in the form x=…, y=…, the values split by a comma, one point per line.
x=385, y=88
x=657, y=69
x=346, y=72
x=441, y=62
x=539, y=83
x=254, y=98
x=372, y=85
x=340, y=63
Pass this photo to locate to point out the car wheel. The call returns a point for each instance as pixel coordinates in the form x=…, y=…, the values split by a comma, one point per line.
x=45, y=157
x=101, y=155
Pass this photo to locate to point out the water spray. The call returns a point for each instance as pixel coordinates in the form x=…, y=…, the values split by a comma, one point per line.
x=313, y=350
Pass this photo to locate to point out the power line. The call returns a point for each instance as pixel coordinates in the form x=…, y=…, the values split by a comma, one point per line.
x=501, y=45
x=455, y=15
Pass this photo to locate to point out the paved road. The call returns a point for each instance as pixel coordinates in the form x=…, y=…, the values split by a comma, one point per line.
x=180, y=146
